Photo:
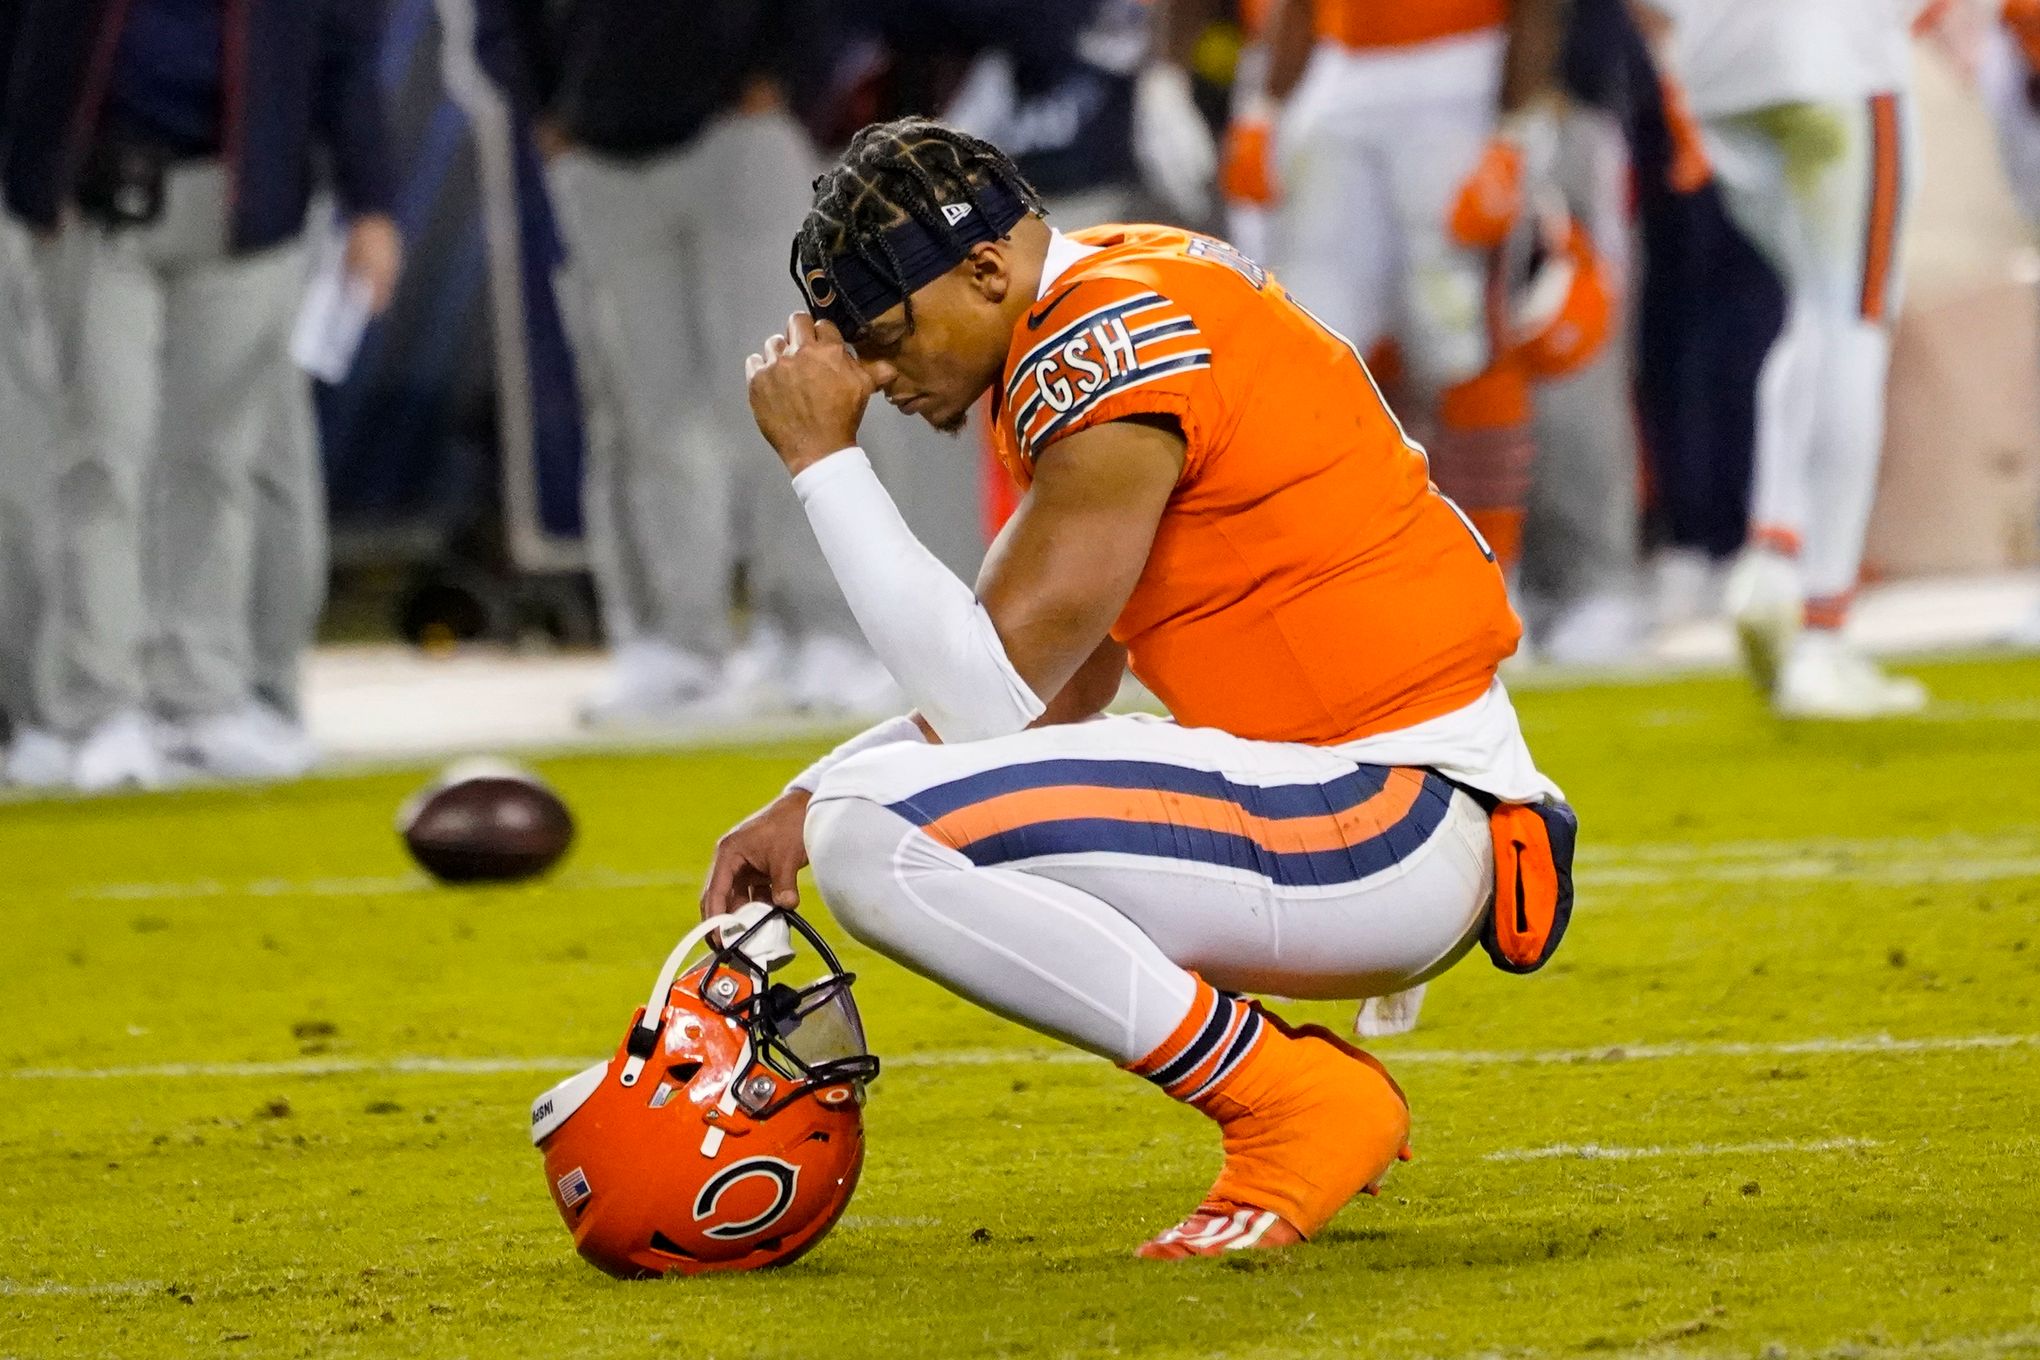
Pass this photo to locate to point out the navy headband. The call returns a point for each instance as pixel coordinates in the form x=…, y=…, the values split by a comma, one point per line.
x=856, y=287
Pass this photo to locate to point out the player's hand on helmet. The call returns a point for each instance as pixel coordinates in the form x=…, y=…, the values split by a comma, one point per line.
x=808, y=391
x=760, y=859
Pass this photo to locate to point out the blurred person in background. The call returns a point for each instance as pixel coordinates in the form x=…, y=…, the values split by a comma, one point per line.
x=292, y=557
x=1053, y=85
x=1807, y=123
x=1054, y=82
x=1172, y=136
x=1708, y=308
x=163, y=152
x=680, y=168
x=2007, y=64
x=1403, y=141
x=35, y=756
x=2008, y=74
x=1582, y=571
x=1378, y=71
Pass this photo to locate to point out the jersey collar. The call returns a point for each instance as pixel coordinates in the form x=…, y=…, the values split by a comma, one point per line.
x=1063, y=254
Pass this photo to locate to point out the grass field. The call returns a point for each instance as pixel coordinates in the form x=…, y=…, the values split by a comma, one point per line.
x=263, y=1091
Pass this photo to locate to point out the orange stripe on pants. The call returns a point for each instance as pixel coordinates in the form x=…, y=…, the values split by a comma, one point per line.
x=1287, y=835
x=1881, y=235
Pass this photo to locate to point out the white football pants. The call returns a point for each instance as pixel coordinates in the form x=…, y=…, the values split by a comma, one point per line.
x=1821, y=190
x=1368, y=182
x=1069, y=878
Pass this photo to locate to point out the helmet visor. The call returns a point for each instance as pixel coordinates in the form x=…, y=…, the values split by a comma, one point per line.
x=818, y=1025
x=804, y=1024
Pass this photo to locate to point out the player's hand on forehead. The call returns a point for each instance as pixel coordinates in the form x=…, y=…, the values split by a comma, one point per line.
x=808, y=391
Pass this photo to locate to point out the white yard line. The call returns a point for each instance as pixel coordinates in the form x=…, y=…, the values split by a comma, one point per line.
x=305, y=1067
x=425, y=1065
x=44, y=1289
x=1810, y=871
x=572, y=880
x=1596, y=1152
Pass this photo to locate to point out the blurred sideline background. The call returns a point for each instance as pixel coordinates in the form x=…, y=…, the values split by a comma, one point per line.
x=1953, y=544
x=461, y=614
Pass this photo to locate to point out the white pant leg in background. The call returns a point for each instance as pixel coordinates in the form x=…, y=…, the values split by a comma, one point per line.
x=1821, y=191
x=1333, y=238
x=168, y=349
x=107, y=303
x=660, y=494
x=1582, y=535
x=1368, y=181
x=623, y=594
x=759, y=171
x=29, y=433
x=1443, y=289
x=291, y=545
x=226, y=332
x=1070, y=877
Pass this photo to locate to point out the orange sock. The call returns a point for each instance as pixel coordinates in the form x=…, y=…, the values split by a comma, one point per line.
x=1482, y=452
x=1829, y=612
x=1307, y=1120
x=1207, y=1047
x=1775, y=538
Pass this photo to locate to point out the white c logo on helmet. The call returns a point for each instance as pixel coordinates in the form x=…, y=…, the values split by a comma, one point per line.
x=784, y=1175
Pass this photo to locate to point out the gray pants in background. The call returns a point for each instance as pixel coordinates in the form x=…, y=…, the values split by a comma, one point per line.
x=291, y=545
x=29, y=434
x=1582, y=532
x=169, y=351
x=682, y=263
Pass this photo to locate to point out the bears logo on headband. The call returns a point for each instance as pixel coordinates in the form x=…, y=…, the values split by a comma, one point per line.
x=860, y=284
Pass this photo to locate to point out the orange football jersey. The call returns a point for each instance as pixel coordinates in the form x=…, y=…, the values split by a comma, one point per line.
x=1398, y=23
x=1306, y=583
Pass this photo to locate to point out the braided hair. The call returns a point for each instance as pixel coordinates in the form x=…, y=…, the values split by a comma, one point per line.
x=891, y=173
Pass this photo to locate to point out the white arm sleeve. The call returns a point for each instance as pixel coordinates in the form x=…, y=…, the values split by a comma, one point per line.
x=924, y=623
x=888, y=733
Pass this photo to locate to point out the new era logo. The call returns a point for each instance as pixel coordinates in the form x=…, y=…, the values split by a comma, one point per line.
x=955, y=212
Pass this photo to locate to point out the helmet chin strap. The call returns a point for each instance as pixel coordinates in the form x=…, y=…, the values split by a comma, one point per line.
x=767, y=951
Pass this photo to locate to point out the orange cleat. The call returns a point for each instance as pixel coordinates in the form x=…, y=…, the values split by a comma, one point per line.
x=1308, y=1122
x=1218, y=1228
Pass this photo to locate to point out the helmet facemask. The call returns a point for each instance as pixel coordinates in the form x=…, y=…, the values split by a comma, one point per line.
x=803, y=1031
x=796, y=1008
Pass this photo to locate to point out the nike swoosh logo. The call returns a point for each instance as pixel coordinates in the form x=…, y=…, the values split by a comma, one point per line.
x=1034, y=321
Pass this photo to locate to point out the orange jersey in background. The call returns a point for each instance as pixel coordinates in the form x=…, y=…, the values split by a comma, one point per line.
x=1399, y=23
x=1306, y=582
